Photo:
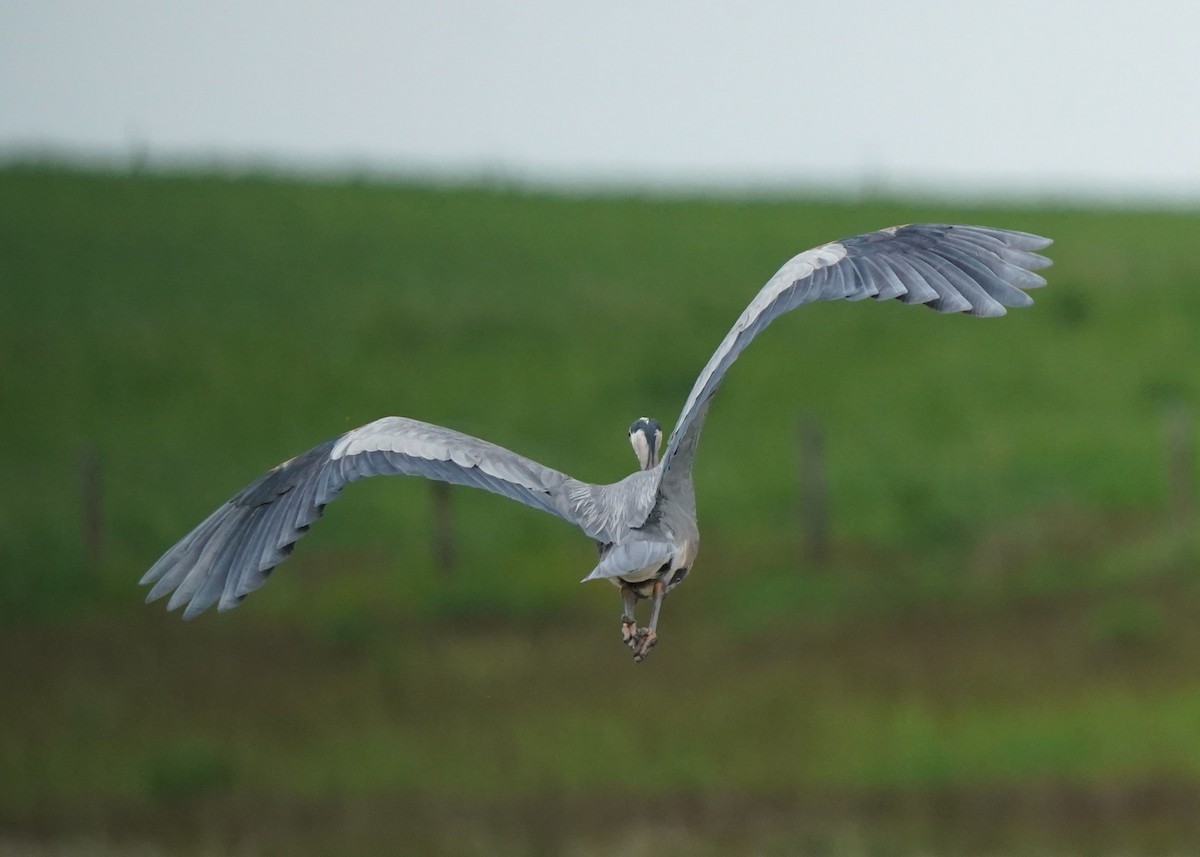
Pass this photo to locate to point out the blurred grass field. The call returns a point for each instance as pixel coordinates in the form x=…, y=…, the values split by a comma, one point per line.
x=1005, y=618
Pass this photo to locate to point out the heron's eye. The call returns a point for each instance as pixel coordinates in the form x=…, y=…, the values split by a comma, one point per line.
x=678, y=576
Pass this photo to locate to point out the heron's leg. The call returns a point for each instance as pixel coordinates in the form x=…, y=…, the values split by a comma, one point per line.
x=628, y=623
x=648, y=636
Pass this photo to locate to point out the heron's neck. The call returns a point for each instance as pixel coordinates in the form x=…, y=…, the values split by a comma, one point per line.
x=647, y=457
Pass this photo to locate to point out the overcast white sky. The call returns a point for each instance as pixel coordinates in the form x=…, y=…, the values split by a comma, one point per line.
x=1041, y=97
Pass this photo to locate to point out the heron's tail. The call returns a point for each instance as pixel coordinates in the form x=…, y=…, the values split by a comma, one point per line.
x=629, y=557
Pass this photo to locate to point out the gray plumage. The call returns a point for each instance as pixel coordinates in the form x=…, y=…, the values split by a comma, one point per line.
x=645, y=524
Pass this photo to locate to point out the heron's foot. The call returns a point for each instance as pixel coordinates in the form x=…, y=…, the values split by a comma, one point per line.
x=644, y=640
x=629, y=633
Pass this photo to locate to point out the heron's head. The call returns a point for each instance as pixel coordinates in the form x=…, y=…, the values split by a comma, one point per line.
x=646, y=437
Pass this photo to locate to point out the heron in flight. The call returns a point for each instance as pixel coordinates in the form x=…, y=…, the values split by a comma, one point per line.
x=645, y=524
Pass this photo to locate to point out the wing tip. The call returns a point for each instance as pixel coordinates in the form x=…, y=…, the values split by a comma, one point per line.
x=991, y=310
x=228, y=603
x=1030, y=241
x=1015, y=238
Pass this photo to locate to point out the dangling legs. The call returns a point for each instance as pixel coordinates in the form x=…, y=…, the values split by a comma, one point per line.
x=628, y=623
x=645, y=638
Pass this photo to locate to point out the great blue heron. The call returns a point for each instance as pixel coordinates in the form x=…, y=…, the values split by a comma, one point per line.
x=645, y=524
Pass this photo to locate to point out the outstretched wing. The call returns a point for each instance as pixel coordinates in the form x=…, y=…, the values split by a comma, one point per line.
x=231, y=553
x=971, y=269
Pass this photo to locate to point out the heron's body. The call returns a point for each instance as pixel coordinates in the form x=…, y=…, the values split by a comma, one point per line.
x=663, y=547
x=645, y=524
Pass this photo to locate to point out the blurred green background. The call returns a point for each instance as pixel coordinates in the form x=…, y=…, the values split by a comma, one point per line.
x=999, y=652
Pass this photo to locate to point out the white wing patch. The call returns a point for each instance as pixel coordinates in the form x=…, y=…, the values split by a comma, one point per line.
x=795, y=269
x=434, y=443
x=397, y=434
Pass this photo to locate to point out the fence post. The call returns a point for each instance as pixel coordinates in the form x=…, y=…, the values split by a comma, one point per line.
x=91, y=505
x=814, y=492
x=445, y=553
x=1181, y=464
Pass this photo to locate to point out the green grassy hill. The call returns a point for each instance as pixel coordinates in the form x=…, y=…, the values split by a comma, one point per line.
x=1005, y=611
x=194, y=331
